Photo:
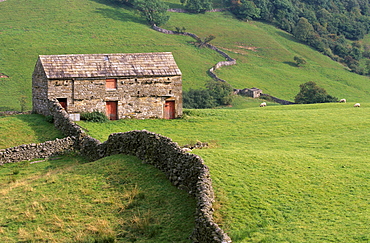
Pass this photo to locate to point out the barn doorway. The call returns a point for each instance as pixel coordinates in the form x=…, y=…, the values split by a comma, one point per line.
x=63, y=102
x=111, y=110
x=169, y=109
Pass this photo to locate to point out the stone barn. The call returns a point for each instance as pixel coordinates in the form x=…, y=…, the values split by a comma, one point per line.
x=135, y=85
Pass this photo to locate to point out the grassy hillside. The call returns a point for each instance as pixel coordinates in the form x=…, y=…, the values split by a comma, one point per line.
x=282, y=173
x=264, y=54
x=115, y=199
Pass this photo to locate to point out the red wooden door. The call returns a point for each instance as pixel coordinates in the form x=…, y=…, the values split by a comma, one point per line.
x=63, y=102
x=169, y=110
x=111, y=110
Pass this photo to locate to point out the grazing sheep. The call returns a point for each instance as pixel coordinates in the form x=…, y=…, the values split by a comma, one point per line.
x=263, y=104
x=343, y=101
x=357, y=105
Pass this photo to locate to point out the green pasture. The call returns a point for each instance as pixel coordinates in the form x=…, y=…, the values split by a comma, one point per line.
x=115, y=199
x=296, y=173
x=264, y=54
x=24, y=129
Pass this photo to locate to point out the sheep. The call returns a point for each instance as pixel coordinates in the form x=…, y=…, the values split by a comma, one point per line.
x=357, y=105
x=343, y=101
x=263, y=104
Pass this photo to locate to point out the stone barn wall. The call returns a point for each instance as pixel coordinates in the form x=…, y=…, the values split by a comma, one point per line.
x=186, y=171
x=136, y=85
x=137, y=97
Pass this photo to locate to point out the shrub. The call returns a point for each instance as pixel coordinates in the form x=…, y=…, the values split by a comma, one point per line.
x=95, y=116
x=217, y=94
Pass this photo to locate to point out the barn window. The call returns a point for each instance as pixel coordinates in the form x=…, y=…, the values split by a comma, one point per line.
x=111, y=83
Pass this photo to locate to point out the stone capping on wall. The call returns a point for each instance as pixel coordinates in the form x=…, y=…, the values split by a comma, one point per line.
x=186, y=171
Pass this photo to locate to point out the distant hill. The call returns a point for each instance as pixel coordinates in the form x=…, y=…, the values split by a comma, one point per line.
x=264, y=53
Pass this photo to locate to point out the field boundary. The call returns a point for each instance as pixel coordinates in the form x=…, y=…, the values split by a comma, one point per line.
x=229, y=62
x=185, y=171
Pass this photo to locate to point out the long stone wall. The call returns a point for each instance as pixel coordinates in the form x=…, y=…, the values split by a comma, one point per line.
x=229, y=60
x=186, y=171
x=33, y=150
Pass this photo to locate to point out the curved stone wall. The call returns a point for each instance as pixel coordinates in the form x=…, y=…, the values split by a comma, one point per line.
x=186, y=171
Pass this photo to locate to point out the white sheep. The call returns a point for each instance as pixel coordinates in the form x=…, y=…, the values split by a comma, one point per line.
x=357, y=105
x=263, y=104
x=343, y=101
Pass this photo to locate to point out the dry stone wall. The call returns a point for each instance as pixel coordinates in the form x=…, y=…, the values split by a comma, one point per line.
x=33, y=151
x=186, y=171
x=229, y=60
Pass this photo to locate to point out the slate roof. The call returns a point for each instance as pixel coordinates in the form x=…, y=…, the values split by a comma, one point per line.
x=109, y=65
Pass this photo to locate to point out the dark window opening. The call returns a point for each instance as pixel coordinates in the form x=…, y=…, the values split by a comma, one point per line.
x=63, y=103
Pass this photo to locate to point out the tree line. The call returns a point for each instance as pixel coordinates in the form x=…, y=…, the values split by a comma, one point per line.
x=333, y=27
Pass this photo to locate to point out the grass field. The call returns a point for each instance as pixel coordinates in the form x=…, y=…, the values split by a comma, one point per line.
x=264, y=54
x=281, y=173
x=25, y=129
x=295, y=173
x=115, y=199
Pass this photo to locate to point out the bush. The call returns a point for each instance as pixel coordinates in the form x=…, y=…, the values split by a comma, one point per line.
x=95, y=116
x=217, y=94
x=198, y=99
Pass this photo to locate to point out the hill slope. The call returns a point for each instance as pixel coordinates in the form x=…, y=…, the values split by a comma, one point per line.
x=264, y=53
x=296, y=173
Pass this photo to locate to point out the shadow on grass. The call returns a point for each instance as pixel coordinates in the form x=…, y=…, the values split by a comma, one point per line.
x=116, y=13
x=293, y=64
x=287, y=36
x=5, y=108
x=43, y=130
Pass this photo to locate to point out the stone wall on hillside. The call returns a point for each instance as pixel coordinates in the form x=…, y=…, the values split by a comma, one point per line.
x=186, y=171
x=229, y=60
x=39, y=150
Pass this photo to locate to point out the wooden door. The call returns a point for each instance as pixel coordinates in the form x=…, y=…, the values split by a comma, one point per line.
x=63, y=102
x=169, y=109
x=111, y=110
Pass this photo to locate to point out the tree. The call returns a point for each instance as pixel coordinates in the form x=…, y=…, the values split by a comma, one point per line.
x=245, y=10
x=154, y=11
x=198, y=6
x=299, y=60
x=220, y=91
x=311, y=93
x=303, y=30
